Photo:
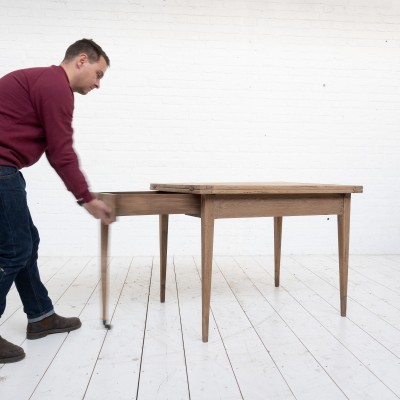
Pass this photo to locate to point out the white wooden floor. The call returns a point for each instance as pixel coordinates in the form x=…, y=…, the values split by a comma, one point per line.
x=265, y=342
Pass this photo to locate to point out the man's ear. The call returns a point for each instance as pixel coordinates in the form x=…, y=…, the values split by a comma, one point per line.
x=81, y=60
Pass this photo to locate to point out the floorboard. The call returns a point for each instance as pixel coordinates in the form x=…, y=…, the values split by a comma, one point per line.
x=264, y=343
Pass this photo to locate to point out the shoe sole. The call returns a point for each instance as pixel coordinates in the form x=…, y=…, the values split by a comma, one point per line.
x=38, y=335
x=9, y=360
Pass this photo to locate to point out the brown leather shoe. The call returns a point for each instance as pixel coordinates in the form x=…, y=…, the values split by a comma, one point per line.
x=52, y=324
x=9, y=352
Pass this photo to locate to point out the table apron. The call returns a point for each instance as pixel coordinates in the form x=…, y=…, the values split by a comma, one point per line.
x=142, y=203
x=247, y=206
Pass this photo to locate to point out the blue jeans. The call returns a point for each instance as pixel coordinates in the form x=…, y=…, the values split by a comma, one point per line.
x=19, y=243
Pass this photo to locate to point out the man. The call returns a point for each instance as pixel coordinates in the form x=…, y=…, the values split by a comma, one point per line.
x=36, y=108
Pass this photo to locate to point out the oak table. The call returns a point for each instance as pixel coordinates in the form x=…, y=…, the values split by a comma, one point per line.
x=211, y=201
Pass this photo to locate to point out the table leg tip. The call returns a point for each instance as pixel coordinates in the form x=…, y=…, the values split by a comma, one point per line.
x=107, y=326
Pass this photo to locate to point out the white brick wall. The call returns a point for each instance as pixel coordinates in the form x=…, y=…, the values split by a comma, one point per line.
x=198, y=90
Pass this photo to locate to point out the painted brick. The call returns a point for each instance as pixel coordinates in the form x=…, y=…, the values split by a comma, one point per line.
x=201, y=90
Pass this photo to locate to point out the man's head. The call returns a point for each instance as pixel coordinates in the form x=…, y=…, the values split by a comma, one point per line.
x=85, y=63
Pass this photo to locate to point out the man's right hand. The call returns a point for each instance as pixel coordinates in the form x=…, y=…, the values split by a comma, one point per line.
x=100, y=210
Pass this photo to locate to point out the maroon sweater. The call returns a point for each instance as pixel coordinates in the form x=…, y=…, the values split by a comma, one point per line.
x=36, y=108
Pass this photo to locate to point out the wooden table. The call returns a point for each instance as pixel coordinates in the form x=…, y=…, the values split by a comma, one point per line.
x=211, y=201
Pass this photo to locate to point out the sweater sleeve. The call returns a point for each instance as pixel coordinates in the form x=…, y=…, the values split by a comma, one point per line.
x=54, y=104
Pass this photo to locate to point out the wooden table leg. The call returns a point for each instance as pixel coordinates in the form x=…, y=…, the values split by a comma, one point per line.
x=163, y=254
x=277, y=248
x=343, y=241
x=207, y=239
x=104, y=272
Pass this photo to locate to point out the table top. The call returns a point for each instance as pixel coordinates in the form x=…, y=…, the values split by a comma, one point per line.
x=254, y=188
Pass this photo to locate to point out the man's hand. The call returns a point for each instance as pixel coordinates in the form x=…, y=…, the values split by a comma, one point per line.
x=99, y=210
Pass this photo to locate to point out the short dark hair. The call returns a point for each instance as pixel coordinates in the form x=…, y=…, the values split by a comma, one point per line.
x=89, y=47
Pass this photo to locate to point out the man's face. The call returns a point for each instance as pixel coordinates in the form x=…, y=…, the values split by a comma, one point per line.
x=88, y=75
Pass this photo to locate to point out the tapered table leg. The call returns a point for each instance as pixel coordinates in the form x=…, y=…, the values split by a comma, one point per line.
x=207, y=239
x=163, y=254
x=277, y=248
x=343, y=241
x=104, y=272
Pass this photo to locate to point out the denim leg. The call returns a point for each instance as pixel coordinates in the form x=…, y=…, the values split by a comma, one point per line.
x=34, y=295
x=19, y=241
